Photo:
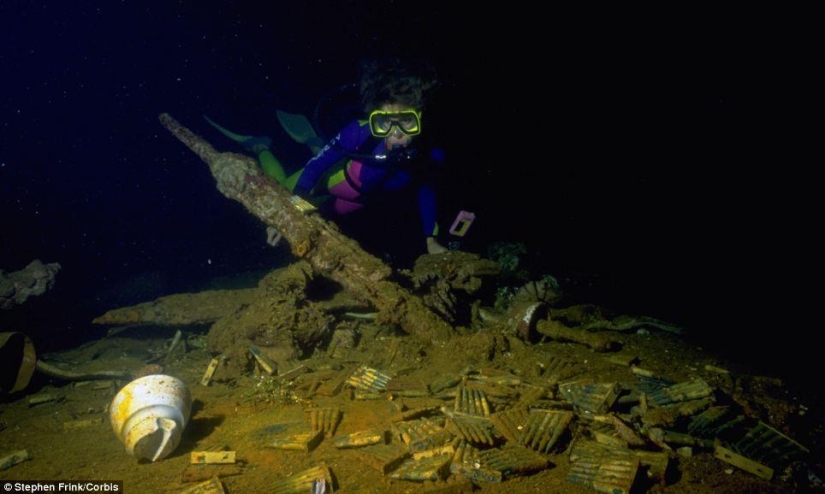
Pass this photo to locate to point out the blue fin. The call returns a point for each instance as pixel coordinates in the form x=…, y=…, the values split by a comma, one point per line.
x=250, y=143
x=300, y=129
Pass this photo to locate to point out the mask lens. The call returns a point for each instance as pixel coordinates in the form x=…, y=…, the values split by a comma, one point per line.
x=408, y=122
x=381, y=123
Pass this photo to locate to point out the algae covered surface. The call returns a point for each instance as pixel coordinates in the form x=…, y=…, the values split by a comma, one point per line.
x=446, y=415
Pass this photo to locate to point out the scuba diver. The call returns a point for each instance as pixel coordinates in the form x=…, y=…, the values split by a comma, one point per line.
x=371, y=158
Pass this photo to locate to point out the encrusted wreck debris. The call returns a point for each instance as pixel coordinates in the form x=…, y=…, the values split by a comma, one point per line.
x=312, y=238
x=181, y=309
x=521, y=409
x=308, y=378
x=540, y=387
x=613, y=445
x=35, y=279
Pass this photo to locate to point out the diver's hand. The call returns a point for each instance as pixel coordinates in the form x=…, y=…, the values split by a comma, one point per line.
x=433, y=247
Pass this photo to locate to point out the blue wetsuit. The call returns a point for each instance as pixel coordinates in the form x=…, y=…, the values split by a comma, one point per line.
x=355, y=166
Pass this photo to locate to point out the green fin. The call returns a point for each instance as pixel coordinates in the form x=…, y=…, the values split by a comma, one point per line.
x=299, y=128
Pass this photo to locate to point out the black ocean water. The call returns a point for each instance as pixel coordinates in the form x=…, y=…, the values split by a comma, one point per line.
x=618, y=151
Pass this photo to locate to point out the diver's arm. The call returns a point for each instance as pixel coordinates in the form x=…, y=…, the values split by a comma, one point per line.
x=346, y=141
x=426, y=207
x=427, y=203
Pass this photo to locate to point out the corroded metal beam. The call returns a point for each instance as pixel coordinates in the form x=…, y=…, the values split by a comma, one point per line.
x=311, y=237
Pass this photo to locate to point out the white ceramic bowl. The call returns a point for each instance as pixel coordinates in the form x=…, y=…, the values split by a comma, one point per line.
x=149, y=414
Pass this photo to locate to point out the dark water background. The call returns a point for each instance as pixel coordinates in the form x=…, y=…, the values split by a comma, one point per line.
x=622, y=148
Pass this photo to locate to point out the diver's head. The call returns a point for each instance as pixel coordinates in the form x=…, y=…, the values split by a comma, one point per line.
x=394, y=94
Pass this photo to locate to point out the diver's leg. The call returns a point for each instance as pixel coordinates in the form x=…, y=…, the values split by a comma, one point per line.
x=271, y=166
x=260, y=147
x=291, y=180
x=346, y=197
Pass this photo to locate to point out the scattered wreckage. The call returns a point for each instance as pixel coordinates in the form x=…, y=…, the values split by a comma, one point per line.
x=323, y=331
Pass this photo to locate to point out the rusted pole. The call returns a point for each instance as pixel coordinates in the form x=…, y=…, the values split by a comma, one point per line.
x=312, y=238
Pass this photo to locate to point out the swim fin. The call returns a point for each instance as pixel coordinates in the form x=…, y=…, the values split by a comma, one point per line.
x=250, y=143
x=299, y=129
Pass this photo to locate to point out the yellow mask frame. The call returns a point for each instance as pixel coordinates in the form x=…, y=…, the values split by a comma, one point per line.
x=408, y=122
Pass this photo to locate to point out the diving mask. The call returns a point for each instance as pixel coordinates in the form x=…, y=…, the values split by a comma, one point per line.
x=407, y=121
